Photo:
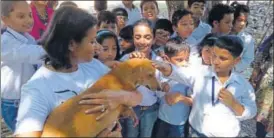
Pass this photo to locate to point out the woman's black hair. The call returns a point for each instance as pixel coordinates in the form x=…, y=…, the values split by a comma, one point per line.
x=68, y=23
x=144, y=22
x=104, y=34
x=164, y=24
x=231, y=43
x=239, y=8
x=209, y=40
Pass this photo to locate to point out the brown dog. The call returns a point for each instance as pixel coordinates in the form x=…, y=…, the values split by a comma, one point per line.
x=69, y=119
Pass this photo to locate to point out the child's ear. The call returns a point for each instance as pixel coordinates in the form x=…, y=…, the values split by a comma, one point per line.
x=4, y=19
x=72, y=45
x=237, y=60
x=174, y=28
x=215, y=23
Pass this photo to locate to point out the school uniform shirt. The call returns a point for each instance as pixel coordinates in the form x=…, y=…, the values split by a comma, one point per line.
x=134, y=14
x=215, y=119
x=149, y=97
x=48, y=89
x=247, y=55
x=199, y=33
x=176, y=114
x=19, y=53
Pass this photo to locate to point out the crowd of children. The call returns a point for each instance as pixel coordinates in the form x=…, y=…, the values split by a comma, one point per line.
x=200, y=66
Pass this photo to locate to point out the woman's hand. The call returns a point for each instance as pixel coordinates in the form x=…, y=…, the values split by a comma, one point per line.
x=137, y=54
x=108, y=100
x=109, y=132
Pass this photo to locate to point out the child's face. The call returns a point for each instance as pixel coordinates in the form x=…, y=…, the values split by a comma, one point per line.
x=125, y=44
x=108, y=50
x=161, y=37
x=150, y=11
x=206, y=55
x=127, y=2
x=121, y=21
x=108, y=26
x=185, y=26
x=180, y=58
x=197, y=8
x=20, y=19
x=222, y=60
x=225, y=25
x=240, y=22
x=143, y=38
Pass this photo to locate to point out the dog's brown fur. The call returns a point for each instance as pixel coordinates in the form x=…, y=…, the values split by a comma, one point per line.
x=69, y=119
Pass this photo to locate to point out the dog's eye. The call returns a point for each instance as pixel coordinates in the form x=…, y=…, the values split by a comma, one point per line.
x=150, y=75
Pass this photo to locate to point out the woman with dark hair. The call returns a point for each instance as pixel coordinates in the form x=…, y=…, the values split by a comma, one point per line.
x=69, y=69
x=41, y=13
x=241, y=14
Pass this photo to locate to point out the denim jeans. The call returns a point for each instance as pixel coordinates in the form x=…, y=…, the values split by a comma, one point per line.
x=147, y=119
x=164, y=129
x=9, y=110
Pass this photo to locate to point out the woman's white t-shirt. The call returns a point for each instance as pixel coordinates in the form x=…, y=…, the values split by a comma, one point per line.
x=47, y=89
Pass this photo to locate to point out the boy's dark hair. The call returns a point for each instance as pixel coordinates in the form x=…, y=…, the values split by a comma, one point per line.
x=143, y=2
x=120, y=12
x=239, y=8
x=209, y=40
x=190, y=2
x=164, y=24
x=126, y=33
x=7, y=7
x=218, y=12
x=177, y=16
x=107, y=17
x=68, y=3
x=68, y=23
x=174, y=46
x=104, y=34
x=100, y=5
x=145, y=22
x=231, y=43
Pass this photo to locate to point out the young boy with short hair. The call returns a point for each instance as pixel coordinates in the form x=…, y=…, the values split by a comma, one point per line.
x=221, y=97
x=197, y=7
x=107, y=21
x=173, y=114
x=162, y=32
x=220, y=18
x=20, y=55
x=121, y=18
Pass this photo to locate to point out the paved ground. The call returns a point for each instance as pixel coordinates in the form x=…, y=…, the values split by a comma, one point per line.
x=4, y=130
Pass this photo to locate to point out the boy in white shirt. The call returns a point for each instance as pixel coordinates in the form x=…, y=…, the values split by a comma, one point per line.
x=221, y=97
x=19, y=56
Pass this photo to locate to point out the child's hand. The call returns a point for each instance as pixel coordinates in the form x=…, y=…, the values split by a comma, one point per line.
x=226, y=97
x=165, y=87
x=163, y=67
x=173, y=98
